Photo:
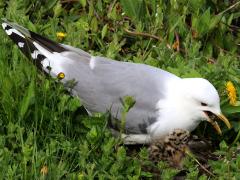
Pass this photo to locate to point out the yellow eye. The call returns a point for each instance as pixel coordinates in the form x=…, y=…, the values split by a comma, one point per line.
x=61, y=75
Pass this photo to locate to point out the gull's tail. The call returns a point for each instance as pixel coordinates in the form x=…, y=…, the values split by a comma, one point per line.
x=28, y=42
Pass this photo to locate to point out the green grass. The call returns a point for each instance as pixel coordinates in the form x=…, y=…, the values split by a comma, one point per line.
x=42, y=125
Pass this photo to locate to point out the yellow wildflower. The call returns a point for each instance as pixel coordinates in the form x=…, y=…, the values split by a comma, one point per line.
x=232, y=93
x=61, y=35
x=44, y=170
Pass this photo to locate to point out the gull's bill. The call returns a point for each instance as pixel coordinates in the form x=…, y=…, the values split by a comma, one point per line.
x=225, y=120
x=215, y=124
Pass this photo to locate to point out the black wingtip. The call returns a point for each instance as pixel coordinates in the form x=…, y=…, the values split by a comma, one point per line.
x=47, y=43
x=22, y=40
x=25, y=40
x=43, y=41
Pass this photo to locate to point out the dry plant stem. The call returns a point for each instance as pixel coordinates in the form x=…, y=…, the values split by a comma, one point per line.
x=95, y=12
x=231, y=7
x=177, y=38
x=145, y=35
x=226, y=51
x=195, y=159
x=151, y=36
x=68, y=1
x=111, y=6
x=236, y=28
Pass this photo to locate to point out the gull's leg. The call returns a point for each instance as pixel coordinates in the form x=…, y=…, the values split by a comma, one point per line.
x=133, y=138
x=136, y=139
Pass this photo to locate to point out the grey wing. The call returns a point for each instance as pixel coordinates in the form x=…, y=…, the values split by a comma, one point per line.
x=101, y=83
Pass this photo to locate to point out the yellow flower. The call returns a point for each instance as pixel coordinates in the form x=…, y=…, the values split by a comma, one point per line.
x=232, y=93
x=61, y=35
x=44, y=170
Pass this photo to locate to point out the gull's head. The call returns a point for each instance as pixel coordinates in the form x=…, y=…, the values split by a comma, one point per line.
x=203, y=100
x=188, y=102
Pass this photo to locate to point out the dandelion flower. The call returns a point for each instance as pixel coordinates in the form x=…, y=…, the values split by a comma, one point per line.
x=44, y=170
x=61, y=35
x=232, y=93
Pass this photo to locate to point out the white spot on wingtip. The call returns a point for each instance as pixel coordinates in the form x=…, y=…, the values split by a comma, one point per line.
x=4, y=25
x=45, y=63
x=21, y=44
x=10, y=31
x=35, y=54
x=92, y=62
x=54, y=61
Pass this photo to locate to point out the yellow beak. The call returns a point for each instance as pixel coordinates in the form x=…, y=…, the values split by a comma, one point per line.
x=225, y=120
x=215, y=124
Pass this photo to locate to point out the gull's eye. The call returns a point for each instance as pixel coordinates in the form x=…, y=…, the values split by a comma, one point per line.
x=203, y=104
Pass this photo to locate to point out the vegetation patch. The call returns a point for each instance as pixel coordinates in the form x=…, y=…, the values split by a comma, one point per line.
x=46, y=134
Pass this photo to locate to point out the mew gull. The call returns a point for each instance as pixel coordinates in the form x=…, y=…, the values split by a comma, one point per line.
x=164, y=102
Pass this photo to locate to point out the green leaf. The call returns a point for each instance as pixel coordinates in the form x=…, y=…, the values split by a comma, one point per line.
x=91, y=9
x=113, y=13
x=202, y=23
x=27, y=100
x=83, y=2
x=50, y=4
x=142, y=11
x=135, y=9
x=62, y=103
x=74, y=104
x=104, y=30
x=153, y=5
x=228, y=109
x=236, y=126
x=57, y=10
x=94, y=24
x=130, y=7
x=229, y=21
x=205, y=18
x=99, y=5
x=121, y=154
x=223, y=146
x=92, y=134
x=128, y=102
x=81, y=24
x=214, y=21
